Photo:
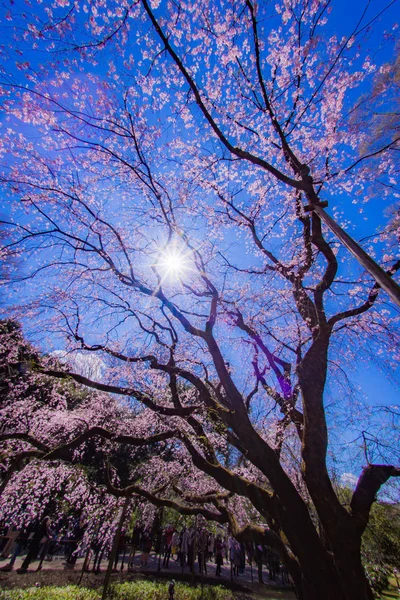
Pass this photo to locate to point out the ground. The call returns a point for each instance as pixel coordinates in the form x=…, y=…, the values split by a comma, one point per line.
x=54, y=573
x=61, y=577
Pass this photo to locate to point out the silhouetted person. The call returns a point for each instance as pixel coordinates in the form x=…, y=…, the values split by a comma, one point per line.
x=218, y=555
x=259, y=560
x=39, y=539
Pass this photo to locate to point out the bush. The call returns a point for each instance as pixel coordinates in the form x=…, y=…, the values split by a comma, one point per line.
x=377, y=574
x=380, y=550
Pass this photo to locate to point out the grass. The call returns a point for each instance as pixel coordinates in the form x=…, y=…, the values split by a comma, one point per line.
x=392, y=593
x=272, y=595
x=140, y=590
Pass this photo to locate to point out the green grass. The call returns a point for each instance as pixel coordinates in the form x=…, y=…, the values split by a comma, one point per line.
x=392, y=593
x=68, y=592
x=138, y=590
x=273, y=595
x=149, y=590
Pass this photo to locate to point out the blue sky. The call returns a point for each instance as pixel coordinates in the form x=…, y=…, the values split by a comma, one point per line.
x=376, y=387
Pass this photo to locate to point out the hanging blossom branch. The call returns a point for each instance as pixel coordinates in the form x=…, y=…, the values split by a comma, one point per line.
x=131, y=392
x=248, y=533
x=63, y=451
x=157, y=501
x=170, y=368
x=261, y=498
x=259, y=534
x=17, y=463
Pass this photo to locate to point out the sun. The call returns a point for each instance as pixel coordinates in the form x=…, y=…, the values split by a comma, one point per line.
x=173, y=263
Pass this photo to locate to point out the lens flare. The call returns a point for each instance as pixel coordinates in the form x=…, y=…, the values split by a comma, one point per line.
x=173, y=263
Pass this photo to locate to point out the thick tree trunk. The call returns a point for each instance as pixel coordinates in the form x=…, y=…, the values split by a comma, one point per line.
x=324, y=578
x=351, y=572
x=335, y=571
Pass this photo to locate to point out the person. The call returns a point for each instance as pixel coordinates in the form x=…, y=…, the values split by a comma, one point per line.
x=171, y=590
x=175, y=546
x=273, y=564
x=121, y=550
x=202, y=550
x=242, y=558
x=10, y=537
x=98, y=549
x=20, y=542
x=169, y=532
x=210, y=546
x=135, y=543
x=159, y=539
x=39, y=540
x=190, y=548
x=259, y=561
x=53, y=545
x=224, y=549
x=146, y=547
x=77, y=536
x=184, y=546
x=218, y=555
x=236, y=557
x=250, y=556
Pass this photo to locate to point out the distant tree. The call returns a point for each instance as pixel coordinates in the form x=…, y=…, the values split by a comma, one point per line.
x=380, y=549
x=77, y=478
x=381, y=545
x=31, y=403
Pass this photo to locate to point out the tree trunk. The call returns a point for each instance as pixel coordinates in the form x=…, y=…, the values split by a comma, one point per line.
x=351, y=571
x=324, y=578
x=335, y=570
x=114, y=549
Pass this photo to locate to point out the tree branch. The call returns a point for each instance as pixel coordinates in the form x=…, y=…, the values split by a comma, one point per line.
x=62, y=451
x=243, y=154
x=157, y=501
x=368, y=485
x=113, y=389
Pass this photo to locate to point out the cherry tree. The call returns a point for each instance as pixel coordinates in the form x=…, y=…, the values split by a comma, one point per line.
x=38, y=413
x=168, y=168
x=52, y=461
x=38, y=407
